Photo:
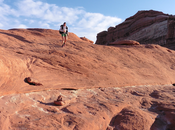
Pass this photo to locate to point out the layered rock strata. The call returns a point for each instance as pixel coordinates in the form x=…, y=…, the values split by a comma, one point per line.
x=146, y=27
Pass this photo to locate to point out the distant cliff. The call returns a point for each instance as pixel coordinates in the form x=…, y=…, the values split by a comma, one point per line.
x=146, y=27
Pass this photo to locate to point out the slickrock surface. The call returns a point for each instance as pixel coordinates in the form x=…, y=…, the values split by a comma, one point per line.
x=128, y=108
x=146, y=27
x=125, y=42
x=92, y=80
x=37, y=53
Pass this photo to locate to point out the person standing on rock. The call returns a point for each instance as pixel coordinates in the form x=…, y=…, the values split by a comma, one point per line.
x=64, y=33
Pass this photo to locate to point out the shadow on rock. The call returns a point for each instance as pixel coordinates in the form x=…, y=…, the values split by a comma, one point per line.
x=166, y=116
x=49, y=104
x=17, y=37
x=31, y=81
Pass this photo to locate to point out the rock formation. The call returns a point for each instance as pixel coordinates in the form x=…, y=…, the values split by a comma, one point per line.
x=84, y=86
x=31, y=81
x=146, y=27
x=90, y=109
x=125, y=42
x=59, y=101
x=85, y=39
x=37, y=53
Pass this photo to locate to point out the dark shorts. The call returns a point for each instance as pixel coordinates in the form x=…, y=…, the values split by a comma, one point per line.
x=64, y=35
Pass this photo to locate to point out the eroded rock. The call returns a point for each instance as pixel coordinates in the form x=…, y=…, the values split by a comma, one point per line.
x=132, y=119
x=125, y=42
x=59, y=101
x=90, y=109
x=32, y=81
x=146, y=27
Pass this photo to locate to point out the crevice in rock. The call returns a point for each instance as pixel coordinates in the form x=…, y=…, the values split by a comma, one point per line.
x=69, y=89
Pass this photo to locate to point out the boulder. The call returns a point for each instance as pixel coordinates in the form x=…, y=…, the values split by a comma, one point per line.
x=32, y=81
x=59, y=101
x=131, y=118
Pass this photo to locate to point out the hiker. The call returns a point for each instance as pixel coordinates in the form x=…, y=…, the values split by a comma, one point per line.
x=64, y=33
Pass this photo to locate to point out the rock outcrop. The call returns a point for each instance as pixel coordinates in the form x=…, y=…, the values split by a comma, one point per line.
x=37, y=53
x=146, y=27
x=83, y=86
x=85, y=39
x=125, y=42
x=90, y=109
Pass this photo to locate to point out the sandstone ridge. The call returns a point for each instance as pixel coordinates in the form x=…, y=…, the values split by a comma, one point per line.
x=37, y=53
x=146, y=27
x=83, y=86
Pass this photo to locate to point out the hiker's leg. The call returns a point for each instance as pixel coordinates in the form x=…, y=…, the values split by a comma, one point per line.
x=65, y=37
x=62, y=39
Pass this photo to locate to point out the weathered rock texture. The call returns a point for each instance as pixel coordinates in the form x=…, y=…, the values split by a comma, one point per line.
x=128, y=108
x=37, y=53
x=90, y=81
x=146, y=27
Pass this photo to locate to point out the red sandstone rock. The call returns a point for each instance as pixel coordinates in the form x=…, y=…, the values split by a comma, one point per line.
x=32, y=81
x=111, y=109
x=85, y=39
x=59, y=98
x=132, y=119
x=59, y=101
x=37, y=53
x=91, y=80
x=125, y=42
x=146, y=27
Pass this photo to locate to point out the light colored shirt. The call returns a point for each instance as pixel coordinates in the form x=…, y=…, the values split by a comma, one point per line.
x=64, y=29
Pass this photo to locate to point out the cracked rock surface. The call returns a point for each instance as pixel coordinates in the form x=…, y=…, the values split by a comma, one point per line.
x=91, y=109
x=102, y=87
